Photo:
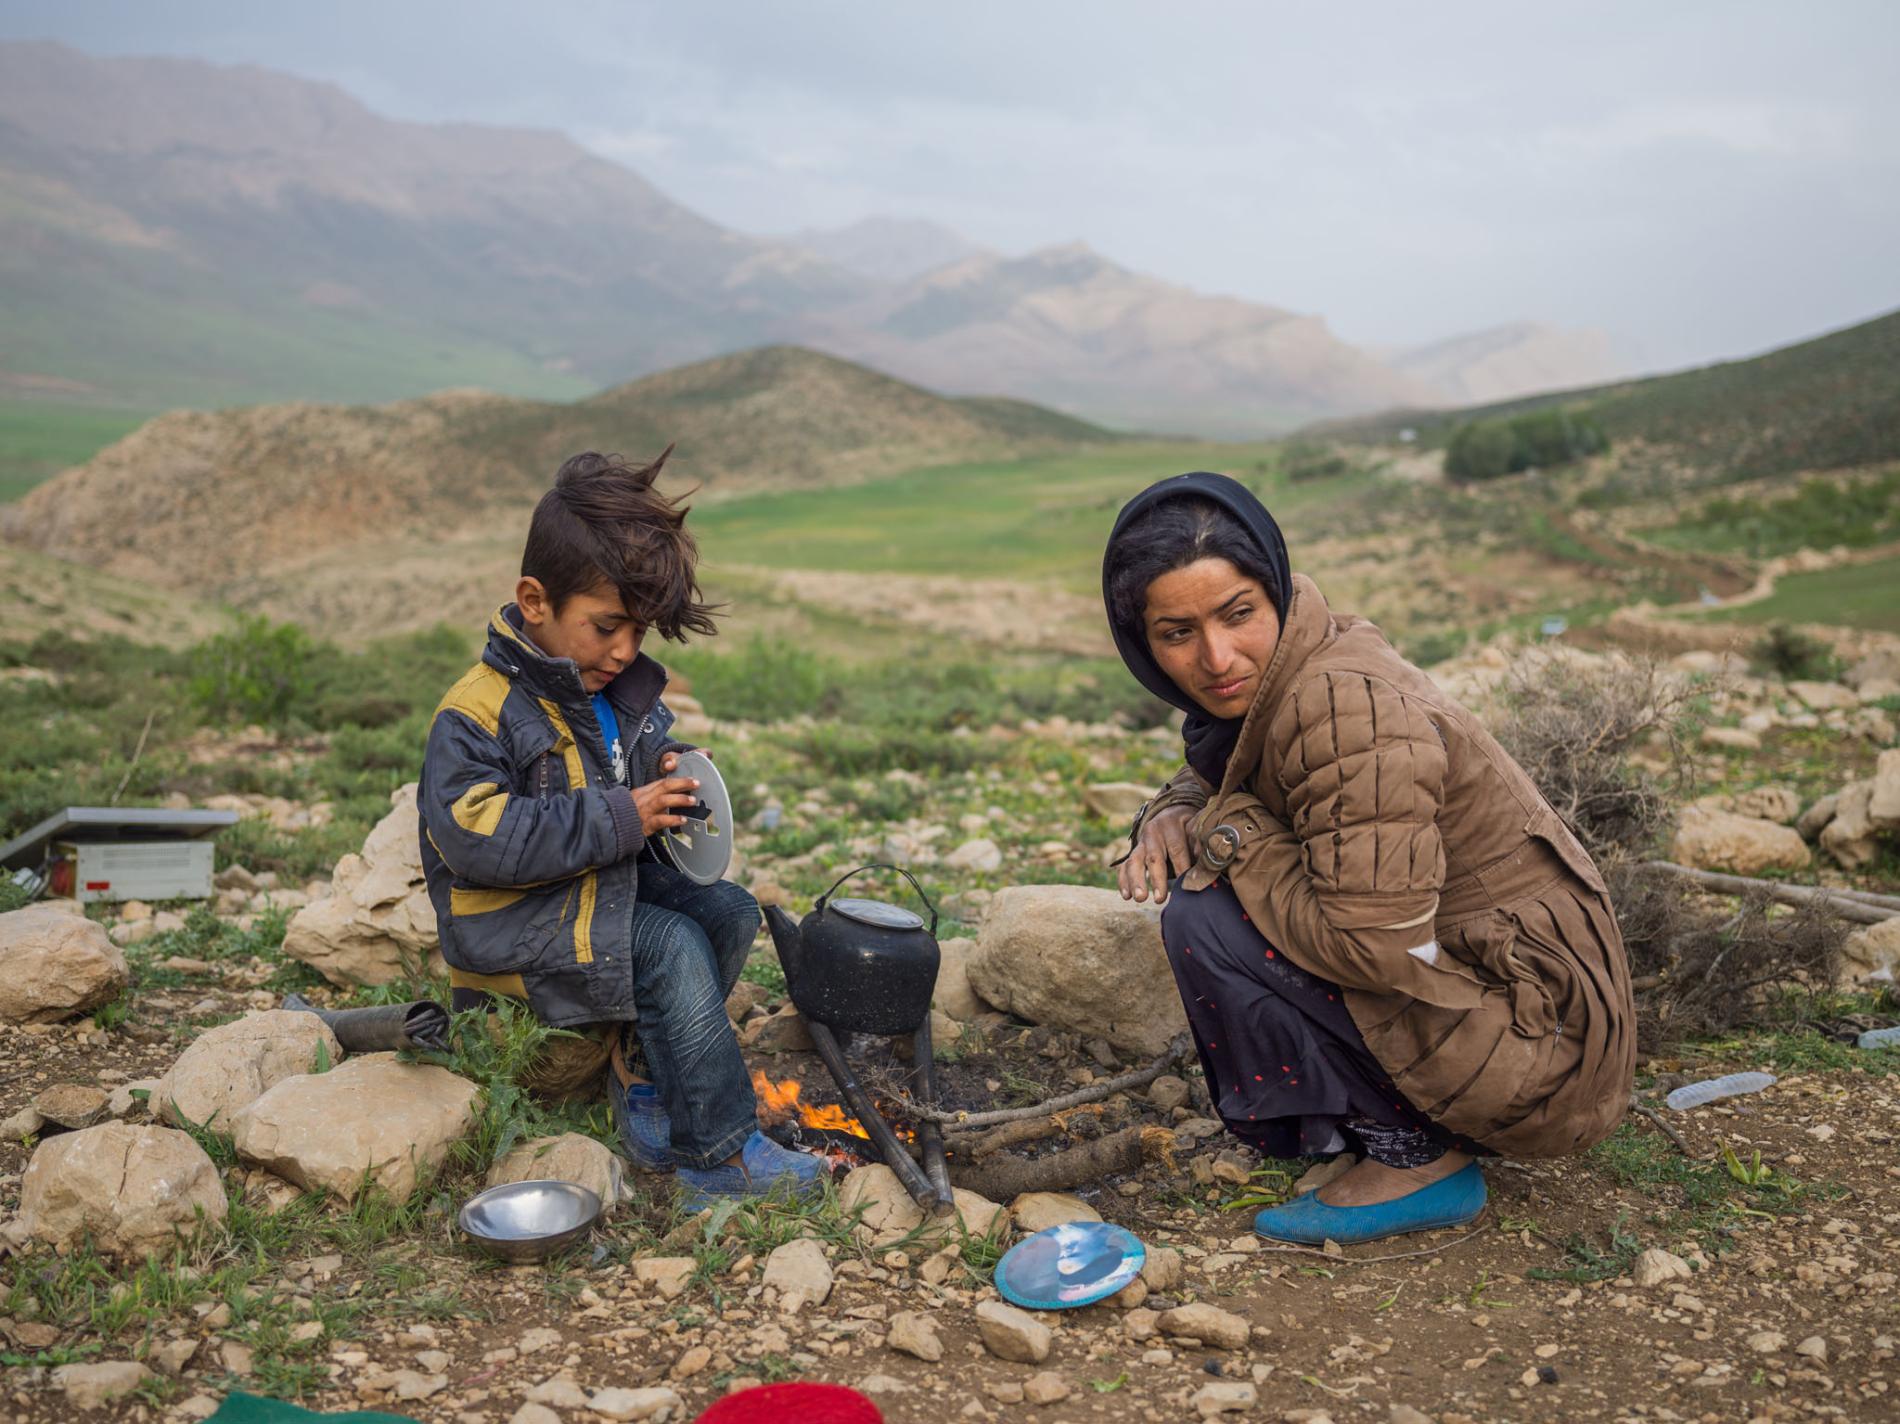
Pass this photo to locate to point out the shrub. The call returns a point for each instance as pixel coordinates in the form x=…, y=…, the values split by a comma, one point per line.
x=1792, y=655
x=1302, y=461
x=1544, y=439
x=258, y=672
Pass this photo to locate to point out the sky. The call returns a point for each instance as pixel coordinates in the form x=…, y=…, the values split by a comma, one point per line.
x=1700, y=180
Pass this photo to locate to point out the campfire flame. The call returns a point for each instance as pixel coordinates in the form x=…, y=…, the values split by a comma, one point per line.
x=783, y=1100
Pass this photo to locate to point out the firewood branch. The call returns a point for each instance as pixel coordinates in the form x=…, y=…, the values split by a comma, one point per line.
x=1093, y=1093
x=1860, y=906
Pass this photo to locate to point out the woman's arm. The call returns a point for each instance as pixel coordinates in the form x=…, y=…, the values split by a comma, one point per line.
x=1350, y=887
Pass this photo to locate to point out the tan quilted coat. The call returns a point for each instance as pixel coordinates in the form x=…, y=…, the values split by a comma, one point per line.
x=1380, y=838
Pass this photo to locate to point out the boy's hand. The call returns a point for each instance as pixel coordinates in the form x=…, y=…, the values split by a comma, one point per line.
x=657, y=800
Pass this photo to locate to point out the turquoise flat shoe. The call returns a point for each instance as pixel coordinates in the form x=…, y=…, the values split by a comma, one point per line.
x=1453, y=1201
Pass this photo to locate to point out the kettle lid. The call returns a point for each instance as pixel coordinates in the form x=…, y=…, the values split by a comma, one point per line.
x=878, y=913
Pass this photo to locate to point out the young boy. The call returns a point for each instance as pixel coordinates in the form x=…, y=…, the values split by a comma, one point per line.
x=547, y=769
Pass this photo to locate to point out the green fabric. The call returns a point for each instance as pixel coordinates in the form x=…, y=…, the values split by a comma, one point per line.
x=241, y=1408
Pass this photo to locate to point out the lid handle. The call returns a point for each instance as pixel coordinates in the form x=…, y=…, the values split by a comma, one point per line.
x=882, y=866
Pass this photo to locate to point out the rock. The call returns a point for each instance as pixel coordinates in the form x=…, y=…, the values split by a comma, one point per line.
x=1162, y=1269
x=23, y=1123
x=1012, y=1334
x=953, y=993
x=1168, y=1092
x=782, y=1032
x=882, y=1386
x=1852, y=837
x=92, y=1386
x=1780, y=804
x=657, y=1403
x=744, y=998
x=1079, y=959
x=1233, y=1167
x=1224, y=1397
x=799, y=1272
x=1733, y=738
x=1115, y=800
x=233, y=1065
x=533, y=1413
x=980, y=855
x=1035, y=1211
x=1405, y=1414
x=1884, y=804
x=1046, y=1387
x=1207, y=1323
x=670, y=1274
x=915, y=1333
x=1139, y=1324
x=1814, y=1348
x=1824, y=696
x=71, y=1105
x=569, y=1157
x=132, y=1189
x=54, y=965
x=171, y=1356
x=1872, y=952
x=692, y=1360
x=1707, y=839
x=394, y=1121
x=1815, y=818
x=1656, y=1267
x=377, y=923
x=1318, y=1175
x=890, y=1214
x=1130, y=1296
x=1767, y=1342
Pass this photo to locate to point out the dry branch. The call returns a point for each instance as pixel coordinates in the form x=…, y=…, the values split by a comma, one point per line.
x=1003, y=1177
x=1860, y=907
x=1011, y=1134
x=1093, y=1093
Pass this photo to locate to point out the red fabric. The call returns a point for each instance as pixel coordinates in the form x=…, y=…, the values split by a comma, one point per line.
x=794, y=1403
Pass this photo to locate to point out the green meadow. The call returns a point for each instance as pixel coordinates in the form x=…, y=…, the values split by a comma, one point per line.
x=38, y=439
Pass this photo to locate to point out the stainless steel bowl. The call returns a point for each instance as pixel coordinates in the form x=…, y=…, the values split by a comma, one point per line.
x=529, y=1221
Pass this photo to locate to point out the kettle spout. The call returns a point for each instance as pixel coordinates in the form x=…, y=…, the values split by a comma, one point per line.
x=785, y=938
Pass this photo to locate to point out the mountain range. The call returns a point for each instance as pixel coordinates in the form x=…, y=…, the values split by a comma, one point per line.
x=177, y=232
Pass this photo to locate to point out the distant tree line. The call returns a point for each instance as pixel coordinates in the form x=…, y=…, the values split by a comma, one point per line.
x=1487, y=449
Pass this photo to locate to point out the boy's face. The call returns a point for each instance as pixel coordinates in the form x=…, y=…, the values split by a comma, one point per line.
x=593, y=628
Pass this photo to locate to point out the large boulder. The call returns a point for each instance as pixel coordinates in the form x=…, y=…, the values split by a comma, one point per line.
x=377, y=924
x=570, y=1157
x=231, y=1066
x=1080, y=959
x=133, y=1190
x=374, y=1119
x=1115, y=800
x=54, y=964
x=1709, y=839
x=952, y=993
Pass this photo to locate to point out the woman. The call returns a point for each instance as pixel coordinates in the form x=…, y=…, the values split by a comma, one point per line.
x=1386, y=940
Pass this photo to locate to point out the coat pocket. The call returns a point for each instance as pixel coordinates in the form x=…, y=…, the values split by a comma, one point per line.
x=1547, y=827
x=1490, y=942
x=505, y=931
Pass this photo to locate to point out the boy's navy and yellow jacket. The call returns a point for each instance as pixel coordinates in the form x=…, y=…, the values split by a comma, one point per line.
x=528, y=842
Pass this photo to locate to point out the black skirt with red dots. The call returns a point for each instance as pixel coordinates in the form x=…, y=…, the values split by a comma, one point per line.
x=1286, y=1066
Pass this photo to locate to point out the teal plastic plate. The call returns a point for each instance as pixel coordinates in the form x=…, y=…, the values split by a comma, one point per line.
x=1068, y=1266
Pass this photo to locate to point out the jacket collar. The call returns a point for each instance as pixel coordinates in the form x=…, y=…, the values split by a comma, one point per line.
x=558, y=680
x=1307, y=627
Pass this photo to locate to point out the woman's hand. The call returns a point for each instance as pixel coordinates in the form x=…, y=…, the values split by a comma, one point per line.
x=1160, y=854
x=659, y=802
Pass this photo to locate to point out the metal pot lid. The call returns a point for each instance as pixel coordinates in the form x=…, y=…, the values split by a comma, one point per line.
x=879, y=913
x=702, y=848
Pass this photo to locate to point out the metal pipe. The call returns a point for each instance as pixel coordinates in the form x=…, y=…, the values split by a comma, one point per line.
x=923, y=1071
x=922, y=1191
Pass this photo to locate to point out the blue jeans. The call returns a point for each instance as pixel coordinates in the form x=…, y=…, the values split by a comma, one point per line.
x=689, y=943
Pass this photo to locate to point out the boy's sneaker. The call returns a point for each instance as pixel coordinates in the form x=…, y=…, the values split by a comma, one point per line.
x=766, y=1168
x=644, y=1126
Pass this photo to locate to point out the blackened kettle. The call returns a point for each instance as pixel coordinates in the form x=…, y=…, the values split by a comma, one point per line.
x=860, y=966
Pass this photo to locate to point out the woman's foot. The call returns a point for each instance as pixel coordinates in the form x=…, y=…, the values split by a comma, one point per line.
x=1450, y=1200
x=1367, y=1183
x=761, y=1169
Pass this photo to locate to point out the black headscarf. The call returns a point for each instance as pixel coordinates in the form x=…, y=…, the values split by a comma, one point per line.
x=1210, y=740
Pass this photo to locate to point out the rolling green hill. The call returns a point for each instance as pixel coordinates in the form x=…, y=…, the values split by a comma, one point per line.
x=1822, y=404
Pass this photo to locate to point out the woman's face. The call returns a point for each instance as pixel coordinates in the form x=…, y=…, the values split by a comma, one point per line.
x=1213, y=630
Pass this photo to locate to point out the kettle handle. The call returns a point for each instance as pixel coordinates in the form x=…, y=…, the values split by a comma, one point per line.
x=882, y=866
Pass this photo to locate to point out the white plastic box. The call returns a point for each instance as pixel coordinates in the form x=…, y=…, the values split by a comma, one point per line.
x=134, y=870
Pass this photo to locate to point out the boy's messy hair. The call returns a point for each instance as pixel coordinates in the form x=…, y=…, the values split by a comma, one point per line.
x=604, y=522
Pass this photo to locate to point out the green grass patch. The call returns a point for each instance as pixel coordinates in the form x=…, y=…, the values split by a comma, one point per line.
x=40, y=438
x=1853, y=595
